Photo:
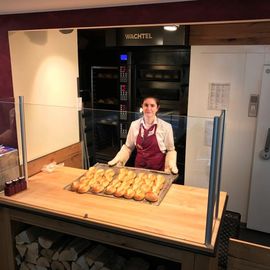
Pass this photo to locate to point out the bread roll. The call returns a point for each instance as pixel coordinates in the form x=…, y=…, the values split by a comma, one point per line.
x=83, y=188
x=139, y=195
x=160, y=180
x=74, y=186
x=116, y=183
x=97, y=188
x=110, y=190
x=151, y=197
x=123, y=171
x=145, y=188
x=129, y=193
x=156, y=189
x=105, y=183
x=83, y=178
x=149, y=182
x=142, y=175
x=151, y=177
x=119, y=192
x=92, y=169
x=109, y=174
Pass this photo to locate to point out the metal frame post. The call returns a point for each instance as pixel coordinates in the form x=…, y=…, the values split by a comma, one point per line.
x=212, y=184
x=221, y=139
x=23, y=136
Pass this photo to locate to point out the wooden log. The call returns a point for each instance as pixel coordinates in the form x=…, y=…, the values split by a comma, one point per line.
x=67, y=265
x=32, y=252
x=92, y=254
x=82, y=262
x=59, y=246
x=104, y=258
x=29, y=235
x=21, y=249
x=72, y=251
x=18, y=259
x=56, y=265
x=41, y=268
x=94, y=267
x=47, y=239
x=31, y=266
x=43, y=262
x=47, y=253
x=24, y=266
x=75, y=266
x=117, y=263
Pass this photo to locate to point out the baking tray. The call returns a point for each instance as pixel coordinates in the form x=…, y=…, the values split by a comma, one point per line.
x=169, y=179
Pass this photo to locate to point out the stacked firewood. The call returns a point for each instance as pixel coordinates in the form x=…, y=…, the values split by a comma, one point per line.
x=40, y=249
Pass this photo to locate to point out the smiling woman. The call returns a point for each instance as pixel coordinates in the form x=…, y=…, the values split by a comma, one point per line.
x=153, y=139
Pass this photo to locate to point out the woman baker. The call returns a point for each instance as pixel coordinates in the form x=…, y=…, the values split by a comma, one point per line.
x=153, y=139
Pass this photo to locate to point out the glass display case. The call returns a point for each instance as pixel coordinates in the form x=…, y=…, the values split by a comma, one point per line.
x=43, y=130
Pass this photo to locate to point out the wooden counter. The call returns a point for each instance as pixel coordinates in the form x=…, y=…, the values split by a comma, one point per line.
x=173, y=230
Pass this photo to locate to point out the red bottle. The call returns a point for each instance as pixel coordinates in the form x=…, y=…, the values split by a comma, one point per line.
x=9, y=188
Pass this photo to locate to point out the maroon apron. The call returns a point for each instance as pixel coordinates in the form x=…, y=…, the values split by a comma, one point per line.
x=149, y=155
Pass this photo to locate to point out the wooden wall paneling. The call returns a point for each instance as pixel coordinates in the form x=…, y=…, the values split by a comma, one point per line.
x=71, y=156
x=6, y=244
x=248, y=256
x=252, y=33
x=205, y=262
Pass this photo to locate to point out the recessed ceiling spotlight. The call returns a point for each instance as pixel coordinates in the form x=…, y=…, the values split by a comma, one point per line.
x=170, y=27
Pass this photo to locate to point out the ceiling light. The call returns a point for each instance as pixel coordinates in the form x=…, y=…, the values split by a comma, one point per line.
x=66, y=31
x=170, y=27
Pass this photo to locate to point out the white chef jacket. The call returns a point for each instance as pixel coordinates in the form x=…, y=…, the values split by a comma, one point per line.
x=164, y=134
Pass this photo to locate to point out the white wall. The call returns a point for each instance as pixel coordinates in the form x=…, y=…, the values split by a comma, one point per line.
x=242, y=67
x=45, y=71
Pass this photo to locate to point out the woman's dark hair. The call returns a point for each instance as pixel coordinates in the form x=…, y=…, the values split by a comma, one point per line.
x=155, y=98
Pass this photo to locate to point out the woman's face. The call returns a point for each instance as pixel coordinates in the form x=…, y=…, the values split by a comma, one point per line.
x=150, y=107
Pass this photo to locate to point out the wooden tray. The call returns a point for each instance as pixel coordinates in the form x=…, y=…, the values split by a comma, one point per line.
x=169, y=178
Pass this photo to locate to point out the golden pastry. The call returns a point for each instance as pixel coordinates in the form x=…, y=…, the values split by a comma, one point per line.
x=105, y=183
x=160, y=179
x=149, y=182
x=92, y=170
x=156, y=189
x=99, y=172
x=119, y=192
x=121, y=176
x=123, y=171
x=145, y=188
x=83, y=188
x=139, y=195
x=151, y=196
x=109, y=173
x=129, y=193
x=75, y=185
x=97, y=188
x=142, y=175
x=151, y=177
x=158, y=186
x=110, y=190
x=83, y=178
x=116, y=183
x=135, y=186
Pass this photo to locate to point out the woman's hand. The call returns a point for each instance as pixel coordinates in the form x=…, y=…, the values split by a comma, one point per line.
x=170, y=162
x=121, y=157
